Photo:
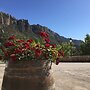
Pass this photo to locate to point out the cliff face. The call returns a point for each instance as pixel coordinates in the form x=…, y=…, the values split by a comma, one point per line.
x=6, y=19
x=10, y=25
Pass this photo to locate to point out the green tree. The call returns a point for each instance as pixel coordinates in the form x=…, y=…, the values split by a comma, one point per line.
x=68, y=48
x=85, y=46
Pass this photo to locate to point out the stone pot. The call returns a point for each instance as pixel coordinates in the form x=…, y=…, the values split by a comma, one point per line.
x=28, y=75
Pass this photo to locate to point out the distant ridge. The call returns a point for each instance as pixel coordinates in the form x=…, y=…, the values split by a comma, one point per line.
x=10, y=25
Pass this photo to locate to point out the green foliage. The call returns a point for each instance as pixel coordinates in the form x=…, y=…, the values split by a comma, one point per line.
x=85, y=46
x=68, y=48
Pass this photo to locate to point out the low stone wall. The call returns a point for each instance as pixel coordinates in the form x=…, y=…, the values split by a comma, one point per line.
x=76, y=59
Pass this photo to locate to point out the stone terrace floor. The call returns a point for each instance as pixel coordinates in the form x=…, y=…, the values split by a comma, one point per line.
x=68, y=76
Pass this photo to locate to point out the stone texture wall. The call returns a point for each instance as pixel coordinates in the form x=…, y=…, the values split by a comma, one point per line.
x=76, y=59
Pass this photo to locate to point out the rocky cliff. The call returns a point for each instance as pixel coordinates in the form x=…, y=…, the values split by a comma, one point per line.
x=10, y=25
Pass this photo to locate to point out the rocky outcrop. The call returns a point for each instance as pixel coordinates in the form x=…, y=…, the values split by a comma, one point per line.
x=6, y=19
x=23, y=24
x=10, y=24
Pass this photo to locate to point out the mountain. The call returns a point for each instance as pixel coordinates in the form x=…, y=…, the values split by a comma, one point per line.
x=10, y=25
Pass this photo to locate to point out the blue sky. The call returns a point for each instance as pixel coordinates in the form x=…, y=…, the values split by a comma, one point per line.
x=69, y=18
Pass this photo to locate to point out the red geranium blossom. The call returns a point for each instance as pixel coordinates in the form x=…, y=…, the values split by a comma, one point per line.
x=47, y=45
x=47, y=40
x=9, y=44
x=27, y=46
x=43, y=34
x=30, y=40
x=13, y=57
x=53, y=45
x=61, y=52
x=6, y=54
x=12, y=37
x=20, y=47
x=17, y=50
x=21, y=41
x=38, y=52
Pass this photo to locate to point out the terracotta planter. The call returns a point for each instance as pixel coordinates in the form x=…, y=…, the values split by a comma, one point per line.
x=28, y=75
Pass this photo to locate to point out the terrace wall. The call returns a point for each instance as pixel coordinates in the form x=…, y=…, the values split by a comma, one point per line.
x=76, y=59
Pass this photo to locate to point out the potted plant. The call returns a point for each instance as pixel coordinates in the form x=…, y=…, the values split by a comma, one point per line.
x=29, y=63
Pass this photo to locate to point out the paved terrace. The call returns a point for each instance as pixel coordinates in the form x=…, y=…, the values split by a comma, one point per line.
x=68, y=76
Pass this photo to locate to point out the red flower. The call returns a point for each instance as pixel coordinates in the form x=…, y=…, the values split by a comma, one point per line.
x=38, y=52
x=53, y=46
x=13, y=37
x=18, y=50
x=9, y=44
x=30, y=40
x=6, y=54
x=43, y=34
x=13, y=57
x=47, y=40
x=20, y=47
x=47, y=45
x=21, y=41
x=33, y=48
x=57, y=61
x=27, y=46
x=61, y=52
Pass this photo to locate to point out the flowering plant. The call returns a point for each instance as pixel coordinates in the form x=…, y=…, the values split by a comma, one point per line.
x=17, y=49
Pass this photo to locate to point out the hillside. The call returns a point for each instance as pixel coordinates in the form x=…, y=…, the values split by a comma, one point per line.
x=10, y=25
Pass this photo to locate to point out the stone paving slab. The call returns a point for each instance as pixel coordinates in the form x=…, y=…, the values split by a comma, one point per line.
x=68, y=76
x=72, y=76
x=2, y=66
